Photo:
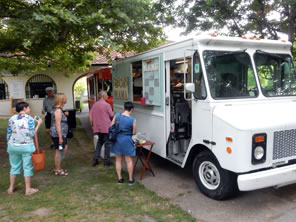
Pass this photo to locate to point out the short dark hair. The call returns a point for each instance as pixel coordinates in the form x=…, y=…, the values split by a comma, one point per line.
x=128, y=106
x=20, y=106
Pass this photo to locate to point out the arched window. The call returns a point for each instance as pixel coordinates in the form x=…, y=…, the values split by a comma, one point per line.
x=4, y=94
x=36, y=86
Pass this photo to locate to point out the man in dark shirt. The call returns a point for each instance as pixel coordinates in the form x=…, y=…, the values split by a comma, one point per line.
x=47, y=108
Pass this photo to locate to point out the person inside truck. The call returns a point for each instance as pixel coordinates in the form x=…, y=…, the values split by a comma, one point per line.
x=229, y=86
x=176, y=79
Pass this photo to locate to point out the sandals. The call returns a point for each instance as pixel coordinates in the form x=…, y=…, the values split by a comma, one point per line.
x=61, y=172
x=54, y=171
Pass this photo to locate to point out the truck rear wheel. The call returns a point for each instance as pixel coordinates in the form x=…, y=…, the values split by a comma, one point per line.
x=212, y=180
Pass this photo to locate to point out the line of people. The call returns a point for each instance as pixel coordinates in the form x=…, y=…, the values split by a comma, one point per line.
x=20, y=140
x=101, y=118
x=22, y=129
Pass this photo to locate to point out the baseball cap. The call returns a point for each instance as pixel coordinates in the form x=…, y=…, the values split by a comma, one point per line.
x=48, y=89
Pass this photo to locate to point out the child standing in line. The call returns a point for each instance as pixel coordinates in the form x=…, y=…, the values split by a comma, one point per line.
x=20, y=145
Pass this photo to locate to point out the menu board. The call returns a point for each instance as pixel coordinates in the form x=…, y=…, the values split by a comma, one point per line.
x=151, y=81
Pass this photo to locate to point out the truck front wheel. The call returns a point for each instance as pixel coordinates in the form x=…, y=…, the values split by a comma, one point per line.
x=212, y=180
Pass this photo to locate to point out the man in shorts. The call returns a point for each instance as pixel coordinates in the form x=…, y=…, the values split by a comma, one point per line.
x=47, y=108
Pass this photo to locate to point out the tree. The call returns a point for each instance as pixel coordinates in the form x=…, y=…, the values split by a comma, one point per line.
x=64, y=34
x=79, y=88
x=237, y=16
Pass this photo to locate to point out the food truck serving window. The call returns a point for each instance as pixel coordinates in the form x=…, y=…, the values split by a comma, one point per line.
x=151, y=81
x=146, y=81
x=137, y=76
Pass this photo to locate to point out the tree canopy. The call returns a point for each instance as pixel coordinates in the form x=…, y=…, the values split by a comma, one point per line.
x=263, y=18
x=64, y=34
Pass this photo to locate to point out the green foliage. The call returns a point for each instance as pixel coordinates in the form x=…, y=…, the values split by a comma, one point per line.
x=64, y=34
x=79, y=88
x=262, y=18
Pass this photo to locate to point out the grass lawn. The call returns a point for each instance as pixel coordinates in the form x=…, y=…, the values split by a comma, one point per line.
x=87, y=194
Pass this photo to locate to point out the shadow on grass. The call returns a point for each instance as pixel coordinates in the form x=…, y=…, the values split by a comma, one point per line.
x=87, y=194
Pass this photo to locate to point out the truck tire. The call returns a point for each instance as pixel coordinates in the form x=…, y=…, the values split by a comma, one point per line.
x=211, y=179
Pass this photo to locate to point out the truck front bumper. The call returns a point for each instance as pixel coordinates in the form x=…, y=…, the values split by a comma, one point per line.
x=274, y=177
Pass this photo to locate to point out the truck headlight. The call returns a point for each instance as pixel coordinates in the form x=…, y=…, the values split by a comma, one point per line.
x=258, y=152
x=259, y=148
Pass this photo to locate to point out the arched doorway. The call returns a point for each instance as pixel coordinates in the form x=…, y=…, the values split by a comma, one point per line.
x=80, y=93
x=87, y=86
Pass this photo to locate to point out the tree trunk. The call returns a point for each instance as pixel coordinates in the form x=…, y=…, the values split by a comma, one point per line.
x=291, y=25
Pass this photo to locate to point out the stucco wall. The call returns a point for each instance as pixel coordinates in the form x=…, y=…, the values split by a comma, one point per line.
x=64, y=85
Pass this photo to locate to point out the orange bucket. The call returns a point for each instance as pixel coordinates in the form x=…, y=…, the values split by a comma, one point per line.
x=38, y=159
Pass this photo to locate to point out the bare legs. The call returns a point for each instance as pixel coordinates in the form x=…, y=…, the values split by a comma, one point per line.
x=57, y=160
x=66, y=149
x=129, y=164
x=118, y=159
x=29, y=190
x=12, y=182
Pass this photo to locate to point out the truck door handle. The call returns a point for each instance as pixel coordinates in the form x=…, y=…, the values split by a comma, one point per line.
x=209, y=142
x=167, y=100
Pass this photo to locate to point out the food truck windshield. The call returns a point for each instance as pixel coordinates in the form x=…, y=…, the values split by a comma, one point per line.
x=231, y=74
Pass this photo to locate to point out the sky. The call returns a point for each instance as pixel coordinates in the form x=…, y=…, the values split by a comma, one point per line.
x=174, y=34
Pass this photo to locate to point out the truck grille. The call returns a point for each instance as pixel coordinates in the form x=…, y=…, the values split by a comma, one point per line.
x=284, y=144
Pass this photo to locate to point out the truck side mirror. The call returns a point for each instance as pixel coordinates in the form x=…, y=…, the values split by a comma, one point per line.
x=189, y=87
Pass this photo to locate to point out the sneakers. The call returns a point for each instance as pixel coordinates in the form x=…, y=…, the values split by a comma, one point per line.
x=95, y=163
x=131, y=182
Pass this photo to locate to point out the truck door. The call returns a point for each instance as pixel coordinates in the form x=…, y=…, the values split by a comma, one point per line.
x=178, y=109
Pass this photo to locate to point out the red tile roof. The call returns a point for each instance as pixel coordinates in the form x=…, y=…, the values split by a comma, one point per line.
x=102, y=59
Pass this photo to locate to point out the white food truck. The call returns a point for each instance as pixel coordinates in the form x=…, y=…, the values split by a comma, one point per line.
x=225, y=105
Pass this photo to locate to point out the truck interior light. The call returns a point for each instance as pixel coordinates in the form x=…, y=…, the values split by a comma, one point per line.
x=213, y=35
x=283, y=40
x=244, y=37
x=251, y=38
x=229, y=139
x=259, y=139
x=229, y=150
x=257, y=38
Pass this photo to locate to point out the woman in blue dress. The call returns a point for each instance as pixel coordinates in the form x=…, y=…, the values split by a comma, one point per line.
x=124, y=144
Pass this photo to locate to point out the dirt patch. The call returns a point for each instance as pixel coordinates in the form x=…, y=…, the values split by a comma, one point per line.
x=41, y=212
x=145, y=218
